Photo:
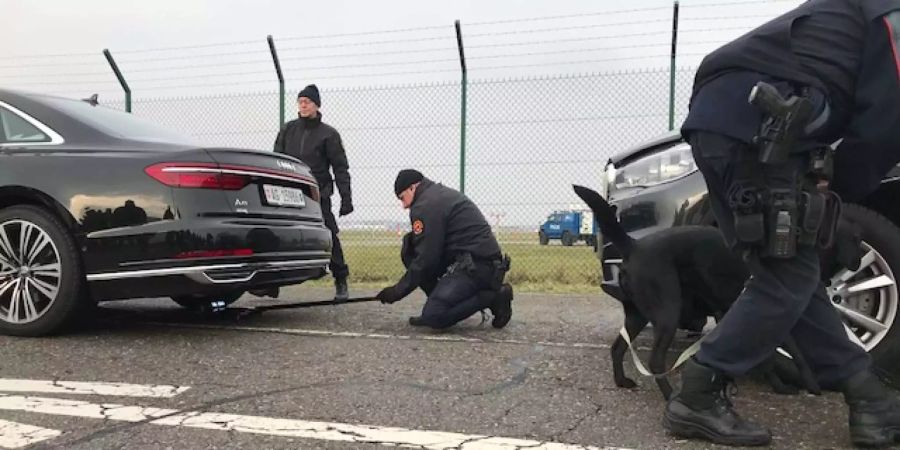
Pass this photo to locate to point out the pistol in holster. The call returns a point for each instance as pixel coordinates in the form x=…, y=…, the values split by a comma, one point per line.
x=501, y=266
x=462, y=263
x=802, y=211
x=785, y=122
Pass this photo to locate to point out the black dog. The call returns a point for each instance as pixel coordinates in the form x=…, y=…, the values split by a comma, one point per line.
x=676, y=278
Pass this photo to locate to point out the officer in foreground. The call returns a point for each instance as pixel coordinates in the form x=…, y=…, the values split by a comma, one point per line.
x=319, y=145
x=825, y=70
x=451, y=254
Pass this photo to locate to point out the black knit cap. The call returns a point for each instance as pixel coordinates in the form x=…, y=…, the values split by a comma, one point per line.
x=311, y=92
x=405, y=179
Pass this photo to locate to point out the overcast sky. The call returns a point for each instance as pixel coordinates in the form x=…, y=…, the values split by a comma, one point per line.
x=174, y=46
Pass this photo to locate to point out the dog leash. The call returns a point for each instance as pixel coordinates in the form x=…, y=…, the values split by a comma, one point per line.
x=685, y=355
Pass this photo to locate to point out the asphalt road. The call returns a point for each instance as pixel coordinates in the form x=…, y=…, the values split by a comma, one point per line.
x=354, y=377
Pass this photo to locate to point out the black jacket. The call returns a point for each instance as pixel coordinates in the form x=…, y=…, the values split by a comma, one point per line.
x=319, y=146
x=445, y=223
x=845, y=48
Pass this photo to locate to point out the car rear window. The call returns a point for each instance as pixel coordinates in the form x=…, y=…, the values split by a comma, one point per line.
x=117, y=123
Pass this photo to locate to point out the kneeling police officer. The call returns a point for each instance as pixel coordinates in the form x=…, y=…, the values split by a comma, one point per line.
x=451, y=254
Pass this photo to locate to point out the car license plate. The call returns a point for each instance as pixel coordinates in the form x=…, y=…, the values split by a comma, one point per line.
x=284, y=196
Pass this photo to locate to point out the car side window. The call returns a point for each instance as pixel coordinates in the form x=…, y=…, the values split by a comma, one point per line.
x=15, y=129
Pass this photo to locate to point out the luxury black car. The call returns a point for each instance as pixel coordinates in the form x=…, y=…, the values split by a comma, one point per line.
x=657, y=185
x=96, y=205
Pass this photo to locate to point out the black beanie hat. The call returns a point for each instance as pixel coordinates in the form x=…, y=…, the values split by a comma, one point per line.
x=311, y=92
x=405, y=179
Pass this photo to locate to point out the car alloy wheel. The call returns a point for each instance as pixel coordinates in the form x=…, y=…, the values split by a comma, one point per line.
x=30, y=272
x=867, y=298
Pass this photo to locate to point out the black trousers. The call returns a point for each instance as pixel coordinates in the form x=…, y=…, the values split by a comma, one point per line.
x=337, y=265
x=456, y=296
x=782, y=296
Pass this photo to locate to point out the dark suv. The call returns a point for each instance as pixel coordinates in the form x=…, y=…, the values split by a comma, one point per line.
x=657, y=185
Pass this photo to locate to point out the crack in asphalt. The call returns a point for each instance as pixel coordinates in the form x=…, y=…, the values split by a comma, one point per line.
x=577, y=423
x=516, y=380
x=455, y=336
x=509, y=410
x=522, y=372
x=206, y=405
x=33, y=433
x=180, y=417
x=78, y=388
x=468, y=441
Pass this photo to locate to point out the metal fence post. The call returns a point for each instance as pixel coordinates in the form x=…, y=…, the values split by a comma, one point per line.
x=462, y=125
x=280, y=80
x=115, y=68
x=672, y=67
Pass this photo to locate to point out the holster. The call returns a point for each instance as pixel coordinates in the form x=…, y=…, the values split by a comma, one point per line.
x=798, y=210
x=501, y=266
x=792, y=205
x=462, y=263
x=784, y=124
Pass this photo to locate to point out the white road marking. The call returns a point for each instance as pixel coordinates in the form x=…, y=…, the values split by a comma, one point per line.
x=90, y=388
x=16, y=435
x=80, y=408
x=327, y=431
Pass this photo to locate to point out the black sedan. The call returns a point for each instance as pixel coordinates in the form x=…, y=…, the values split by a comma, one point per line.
x=657, y=185
x=96, y=205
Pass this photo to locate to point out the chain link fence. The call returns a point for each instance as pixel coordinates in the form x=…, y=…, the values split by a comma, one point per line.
x=533, y=124
x=527, y=141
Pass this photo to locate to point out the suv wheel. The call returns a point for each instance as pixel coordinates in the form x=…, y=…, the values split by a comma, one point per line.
x=567, y=239
x=867, y=299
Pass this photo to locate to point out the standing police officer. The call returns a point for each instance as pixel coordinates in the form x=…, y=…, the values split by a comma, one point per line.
x=838, y=58
x=451, y=254
x=319, y=146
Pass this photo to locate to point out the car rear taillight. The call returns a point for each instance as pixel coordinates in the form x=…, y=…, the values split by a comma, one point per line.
x=197, y=175
x=214, y=253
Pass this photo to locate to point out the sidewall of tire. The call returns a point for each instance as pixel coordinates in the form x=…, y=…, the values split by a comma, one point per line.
x=884, y=236
x=71, y=287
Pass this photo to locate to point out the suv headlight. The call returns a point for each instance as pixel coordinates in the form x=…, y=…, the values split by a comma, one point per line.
x=609, y=176
x=660, y=167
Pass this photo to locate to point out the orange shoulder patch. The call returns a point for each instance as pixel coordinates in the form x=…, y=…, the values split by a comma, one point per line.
x=418, y=227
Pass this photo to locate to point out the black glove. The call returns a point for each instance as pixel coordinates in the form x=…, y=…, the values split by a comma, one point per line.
x=346, y=208
x=388, y=295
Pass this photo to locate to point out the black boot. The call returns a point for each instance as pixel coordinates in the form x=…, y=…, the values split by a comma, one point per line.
x=702, y=410
x=874, y=411
x=416, y=321
x=341, y=292
x=502, y=307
